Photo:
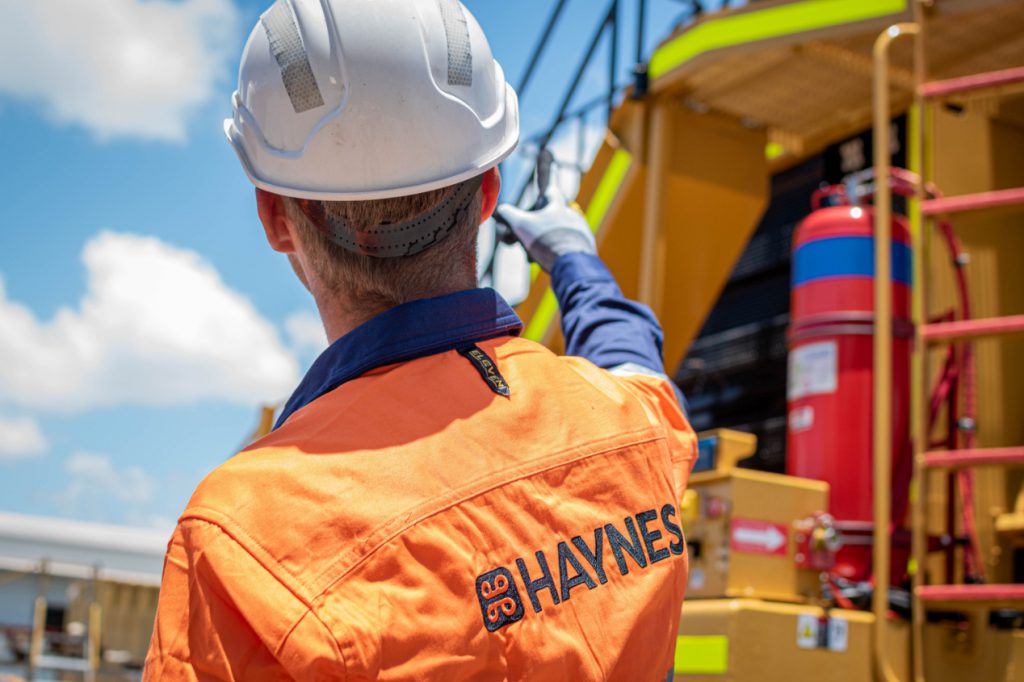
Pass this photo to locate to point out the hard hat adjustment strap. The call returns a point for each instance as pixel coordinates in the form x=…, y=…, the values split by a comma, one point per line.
x=395, y=240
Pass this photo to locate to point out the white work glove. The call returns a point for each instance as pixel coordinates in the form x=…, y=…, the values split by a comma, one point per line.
x=549, y=232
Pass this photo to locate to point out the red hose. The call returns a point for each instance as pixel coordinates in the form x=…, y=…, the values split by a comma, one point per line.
x=837, y=595
x=906, y=183
x=974, y=565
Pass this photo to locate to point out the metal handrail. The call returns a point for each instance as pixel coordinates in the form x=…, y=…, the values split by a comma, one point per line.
x=609, y=25
x=882, y=370
x=608, y=22
x=582, y=111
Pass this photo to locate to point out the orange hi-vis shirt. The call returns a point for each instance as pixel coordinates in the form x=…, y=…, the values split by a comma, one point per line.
x=490, y=513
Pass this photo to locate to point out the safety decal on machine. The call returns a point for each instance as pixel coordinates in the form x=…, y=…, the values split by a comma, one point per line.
x=838, y=634
x=822, y=632
x=758, y=537
x=813, y=370
x=807, y=629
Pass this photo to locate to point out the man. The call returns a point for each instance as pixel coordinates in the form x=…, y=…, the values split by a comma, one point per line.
x=440, y=500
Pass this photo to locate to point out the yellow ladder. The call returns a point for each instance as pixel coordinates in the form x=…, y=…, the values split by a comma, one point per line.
x=963, y=596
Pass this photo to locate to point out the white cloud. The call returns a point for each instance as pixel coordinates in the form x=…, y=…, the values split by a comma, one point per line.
x=117, y=67
x=306, y=332
x=157, y=326
x=93, y=474
x=21, y=438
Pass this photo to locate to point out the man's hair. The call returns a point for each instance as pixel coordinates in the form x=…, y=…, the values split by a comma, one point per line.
x=377, y=284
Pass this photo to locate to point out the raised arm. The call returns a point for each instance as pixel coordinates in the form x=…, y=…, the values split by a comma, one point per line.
x=598, y=321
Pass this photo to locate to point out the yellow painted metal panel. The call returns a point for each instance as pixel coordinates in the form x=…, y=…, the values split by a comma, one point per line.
x=716, y=186
x=763, y=646
x=715, y=190
x=608, y=188
x=542, y=318
x=702, y=655
x=771, y=22
x=715, y=570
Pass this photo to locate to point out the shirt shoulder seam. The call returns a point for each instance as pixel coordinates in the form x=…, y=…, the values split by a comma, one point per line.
x=231, y=530
x=473, y=489
x=222, y=523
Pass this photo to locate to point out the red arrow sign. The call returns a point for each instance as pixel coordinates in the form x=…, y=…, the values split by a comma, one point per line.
x=759, y=537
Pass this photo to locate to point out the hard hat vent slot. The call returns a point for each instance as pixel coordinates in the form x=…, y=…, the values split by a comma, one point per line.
x=460, y=52
x=287, y=48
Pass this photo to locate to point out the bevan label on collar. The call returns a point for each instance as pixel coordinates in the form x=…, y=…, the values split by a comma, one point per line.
x=487, y=368
x=580, y=561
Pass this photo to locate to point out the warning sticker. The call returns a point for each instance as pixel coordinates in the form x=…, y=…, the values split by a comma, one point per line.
x=759, y=537
x=807, y=631
x=838, y=634
x=813, y=369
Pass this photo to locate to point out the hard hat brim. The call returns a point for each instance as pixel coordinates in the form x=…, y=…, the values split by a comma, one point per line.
x=508, y=146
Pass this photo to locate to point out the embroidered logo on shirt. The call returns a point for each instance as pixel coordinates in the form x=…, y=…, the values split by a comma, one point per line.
x=487, y=369
x=499, y=598
x=580, y=562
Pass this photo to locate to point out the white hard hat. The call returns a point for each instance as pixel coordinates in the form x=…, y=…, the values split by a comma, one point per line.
x=369, y=99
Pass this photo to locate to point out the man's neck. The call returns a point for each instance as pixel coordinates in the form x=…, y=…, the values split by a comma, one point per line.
x=339, y=320
x=340, y=317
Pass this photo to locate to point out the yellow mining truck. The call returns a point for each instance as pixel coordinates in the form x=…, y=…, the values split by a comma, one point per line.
x=709, y=162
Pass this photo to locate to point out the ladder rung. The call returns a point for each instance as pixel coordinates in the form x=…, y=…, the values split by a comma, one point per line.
x=944, y=332
x=1010, y=523
x=973, y=202
x=977, y=457
x=971, y=596
x=65, y=663
x=978, y=81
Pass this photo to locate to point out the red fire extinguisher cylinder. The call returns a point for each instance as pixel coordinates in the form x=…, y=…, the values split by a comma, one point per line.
x=830, y=398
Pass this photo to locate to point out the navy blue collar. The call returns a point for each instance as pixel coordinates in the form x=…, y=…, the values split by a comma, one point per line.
x=409, y=331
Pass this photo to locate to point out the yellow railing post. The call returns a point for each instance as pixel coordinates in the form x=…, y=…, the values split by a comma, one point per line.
x=36, y=643
x=93, y=643
x=882, y=404
x=652, y=251
x=920, y=229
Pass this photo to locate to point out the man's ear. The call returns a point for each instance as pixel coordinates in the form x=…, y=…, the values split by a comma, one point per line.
x=275, y=221
x=491, y=188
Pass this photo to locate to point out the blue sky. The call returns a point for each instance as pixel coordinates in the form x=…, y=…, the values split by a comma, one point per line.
x=142, y=317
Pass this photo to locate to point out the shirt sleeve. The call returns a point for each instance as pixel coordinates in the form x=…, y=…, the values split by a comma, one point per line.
x=223, y=616
x=663, y=401
x=600, y=324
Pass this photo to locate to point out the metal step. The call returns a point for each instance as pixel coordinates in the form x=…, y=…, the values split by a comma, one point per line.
x=1010, y=523
x=971, y=596
x=973, y=83
x=952, y=459
x=946, y=332
x=64, y=663
x=1000, y=198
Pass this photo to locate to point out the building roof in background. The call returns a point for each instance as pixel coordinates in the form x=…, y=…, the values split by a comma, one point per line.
x=76, y=548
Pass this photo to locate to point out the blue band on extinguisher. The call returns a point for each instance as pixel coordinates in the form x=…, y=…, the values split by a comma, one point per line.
x=846, y=257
